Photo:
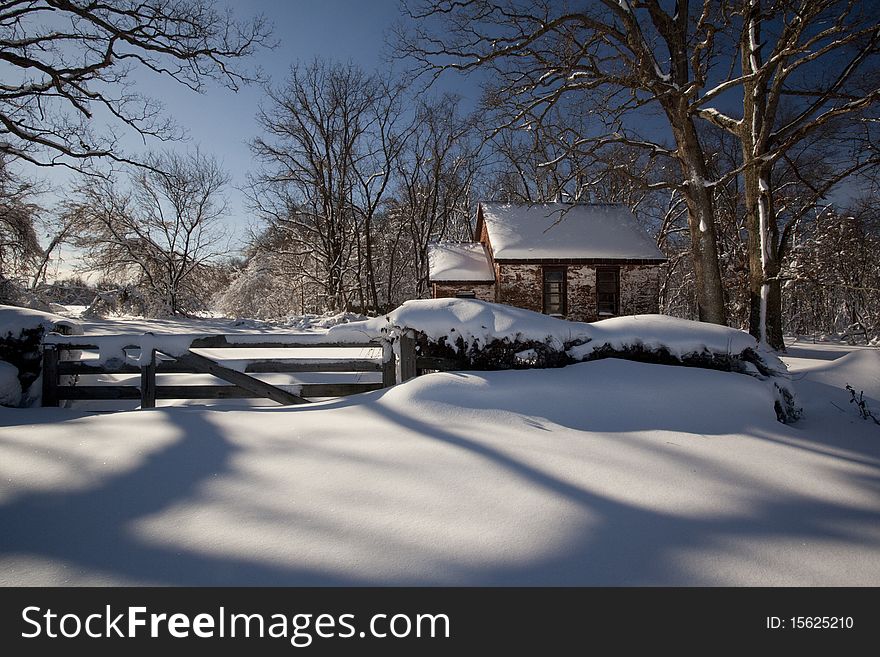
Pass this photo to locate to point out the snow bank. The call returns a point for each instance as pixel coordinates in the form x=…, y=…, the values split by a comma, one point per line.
x=14, y=321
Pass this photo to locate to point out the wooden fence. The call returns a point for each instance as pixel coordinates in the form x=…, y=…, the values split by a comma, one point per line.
x=60, y=374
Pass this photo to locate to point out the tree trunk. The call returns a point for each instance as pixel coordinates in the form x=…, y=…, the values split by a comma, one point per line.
x=765, y=290
x=371, y=270
x=701, y=221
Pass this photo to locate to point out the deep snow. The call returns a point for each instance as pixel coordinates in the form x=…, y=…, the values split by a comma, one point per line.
x=607, y=472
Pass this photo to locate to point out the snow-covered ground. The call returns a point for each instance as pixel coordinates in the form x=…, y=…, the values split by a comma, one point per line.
x=607, y=472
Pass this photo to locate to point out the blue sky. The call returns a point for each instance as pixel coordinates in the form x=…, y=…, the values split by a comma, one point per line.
x=222, y=123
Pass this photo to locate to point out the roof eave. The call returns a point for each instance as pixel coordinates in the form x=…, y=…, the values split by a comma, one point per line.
x=501, y=260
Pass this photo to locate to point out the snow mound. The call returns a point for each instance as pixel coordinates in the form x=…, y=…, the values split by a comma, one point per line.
x=10, y=386
x=15, y=320
x=860, y=369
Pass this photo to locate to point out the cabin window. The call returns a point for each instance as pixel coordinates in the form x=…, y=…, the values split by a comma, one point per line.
x=465, y=295
x=608, y=291
x=554, y=290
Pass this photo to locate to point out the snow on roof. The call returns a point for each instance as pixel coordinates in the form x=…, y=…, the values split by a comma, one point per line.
x=566, y=231
x=459, y=262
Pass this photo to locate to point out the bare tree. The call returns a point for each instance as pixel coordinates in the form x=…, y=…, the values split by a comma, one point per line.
x=434, y=198
x=377, y=155
x=70, y=62
x=804, y=67
x=162, y=232
x=331, y=139
x=832, y=280
x=20, y=248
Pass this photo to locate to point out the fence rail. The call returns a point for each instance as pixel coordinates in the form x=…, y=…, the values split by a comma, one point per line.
x=238, y=384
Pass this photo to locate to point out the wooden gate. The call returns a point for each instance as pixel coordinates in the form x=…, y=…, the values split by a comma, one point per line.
x=151, y=355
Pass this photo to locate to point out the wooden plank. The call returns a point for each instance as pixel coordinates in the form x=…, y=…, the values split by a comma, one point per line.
x=236, y=392
x=316, y=365
x=98, y=392
x=259, y=388
x=436, y=363
x=204, y=392
x=50, y=376
x=84, y=367
x=223, y=342
x=208, y=391
x=260, y=366
x=407, y=358
x=148, y=382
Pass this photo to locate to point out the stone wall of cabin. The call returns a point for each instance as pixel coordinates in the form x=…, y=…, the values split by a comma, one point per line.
x=640, y=289
x=482, y=291
x=581, y=293
x=521, y=285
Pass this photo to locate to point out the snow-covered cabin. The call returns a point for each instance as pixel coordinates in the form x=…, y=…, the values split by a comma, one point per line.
x=580, y=261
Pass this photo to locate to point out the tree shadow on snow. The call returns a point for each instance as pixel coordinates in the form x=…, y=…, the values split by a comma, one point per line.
x=92, y=533
x=631, y=545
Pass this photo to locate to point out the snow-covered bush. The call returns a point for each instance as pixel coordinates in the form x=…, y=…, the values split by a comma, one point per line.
x=10, y=386
x=21, y=336
x=479, y=335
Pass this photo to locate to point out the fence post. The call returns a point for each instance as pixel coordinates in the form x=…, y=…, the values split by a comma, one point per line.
x=389, y=370
x=50, y=375
x=148, y=382
x=407, y=358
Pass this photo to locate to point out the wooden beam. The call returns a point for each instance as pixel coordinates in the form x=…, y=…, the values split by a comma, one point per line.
x=389, y=367
x=259, y=388
x=407, y=358
x=314, y=366
x=148, y=381
x=98, y=392
x=50, y=376
x=223, y=342
x=73, y=367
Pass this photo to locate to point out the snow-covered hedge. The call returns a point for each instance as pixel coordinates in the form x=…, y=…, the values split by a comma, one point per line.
x=21, y=334
x=487, y=336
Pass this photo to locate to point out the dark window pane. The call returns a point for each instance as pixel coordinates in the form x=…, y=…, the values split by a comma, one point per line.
x=607, y=291
x=554, y=291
